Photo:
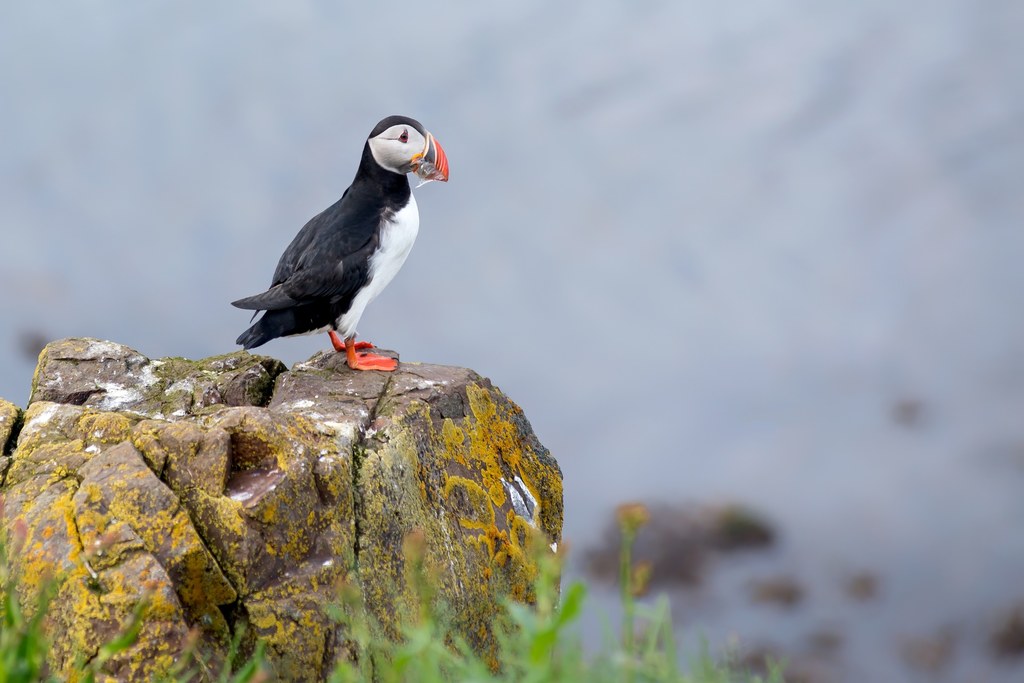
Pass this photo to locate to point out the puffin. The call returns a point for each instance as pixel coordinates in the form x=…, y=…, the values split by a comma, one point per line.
x=344, y=256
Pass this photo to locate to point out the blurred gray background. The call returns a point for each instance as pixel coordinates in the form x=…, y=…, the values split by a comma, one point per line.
x=761, y=252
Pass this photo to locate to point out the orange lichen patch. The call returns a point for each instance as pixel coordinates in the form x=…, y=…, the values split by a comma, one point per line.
x=474, y=461
x=59, y=472
x=496, y=447
x=91, y=605
x=496, y=541
x=267, y=514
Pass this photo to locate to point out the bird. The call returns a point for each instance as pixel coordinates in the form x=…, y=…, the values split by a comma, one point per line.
x=344, y=256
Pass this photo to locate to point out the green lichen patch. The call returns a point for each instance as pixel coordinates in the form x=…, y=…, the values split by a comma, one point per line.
x=391, y=508
x=234, y=379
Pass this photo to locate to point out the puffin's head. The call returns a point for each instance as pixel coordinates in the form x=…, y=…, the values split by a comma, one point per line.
x=401, y=145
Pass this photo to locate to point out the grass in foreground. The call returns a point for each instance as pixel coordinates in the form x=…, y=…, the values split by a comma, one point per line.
x=536, y=644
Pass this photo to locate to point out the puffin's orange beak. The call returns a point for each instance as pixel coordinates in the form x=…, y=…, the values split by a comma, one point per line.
x=432, y=163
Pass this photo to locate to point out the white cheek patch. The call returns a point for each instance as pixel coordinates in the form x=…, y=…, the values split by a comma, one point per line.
x=388, y=153
x=393, y=154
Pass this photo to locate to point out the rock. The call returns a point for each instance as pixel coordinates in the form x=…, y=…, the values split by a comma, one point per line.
x=10, y=420
x=231, y=488
x=112, y=377
x=10, y=424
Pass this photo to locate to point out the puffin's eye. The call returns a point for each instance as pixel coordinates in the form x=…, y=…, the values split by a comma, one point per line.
x=404, y=137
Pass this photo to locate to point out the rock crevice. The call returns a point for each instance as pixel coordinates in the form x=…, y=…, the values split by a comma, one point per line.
x=235, y=486
x=11, y=421
x=358, y=456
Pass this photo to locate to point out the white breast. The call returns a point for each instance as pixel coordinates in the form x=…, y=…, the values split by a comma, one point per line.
x=396, y=240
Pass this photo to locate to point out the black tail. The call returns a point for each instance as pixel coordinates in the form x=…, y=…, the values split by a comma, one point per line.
x=272, y=325
x=285, y=322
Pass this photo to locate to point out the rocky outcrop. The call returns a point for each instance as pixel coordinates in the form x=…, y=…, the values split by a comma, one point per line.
x=233, y=488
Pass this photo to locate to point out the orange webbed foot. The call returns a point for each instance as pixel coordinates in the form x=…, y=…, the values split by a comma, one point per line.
x=372, y=361
x=362, y=361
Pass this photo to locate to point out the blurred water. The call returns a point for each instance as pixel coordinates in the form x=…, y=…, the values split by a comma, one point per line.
x=708, y=249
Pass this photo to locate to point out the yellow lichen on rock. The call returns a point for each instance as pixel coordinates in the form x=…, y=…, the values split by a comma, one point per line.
x=490, y=446
x=170, y=481
x=451, y=477
x=471, y=500
x=103, y=428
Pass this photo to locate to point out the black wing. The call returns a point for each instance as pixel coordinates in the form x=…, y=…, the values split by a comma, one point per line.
x=328, y=259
